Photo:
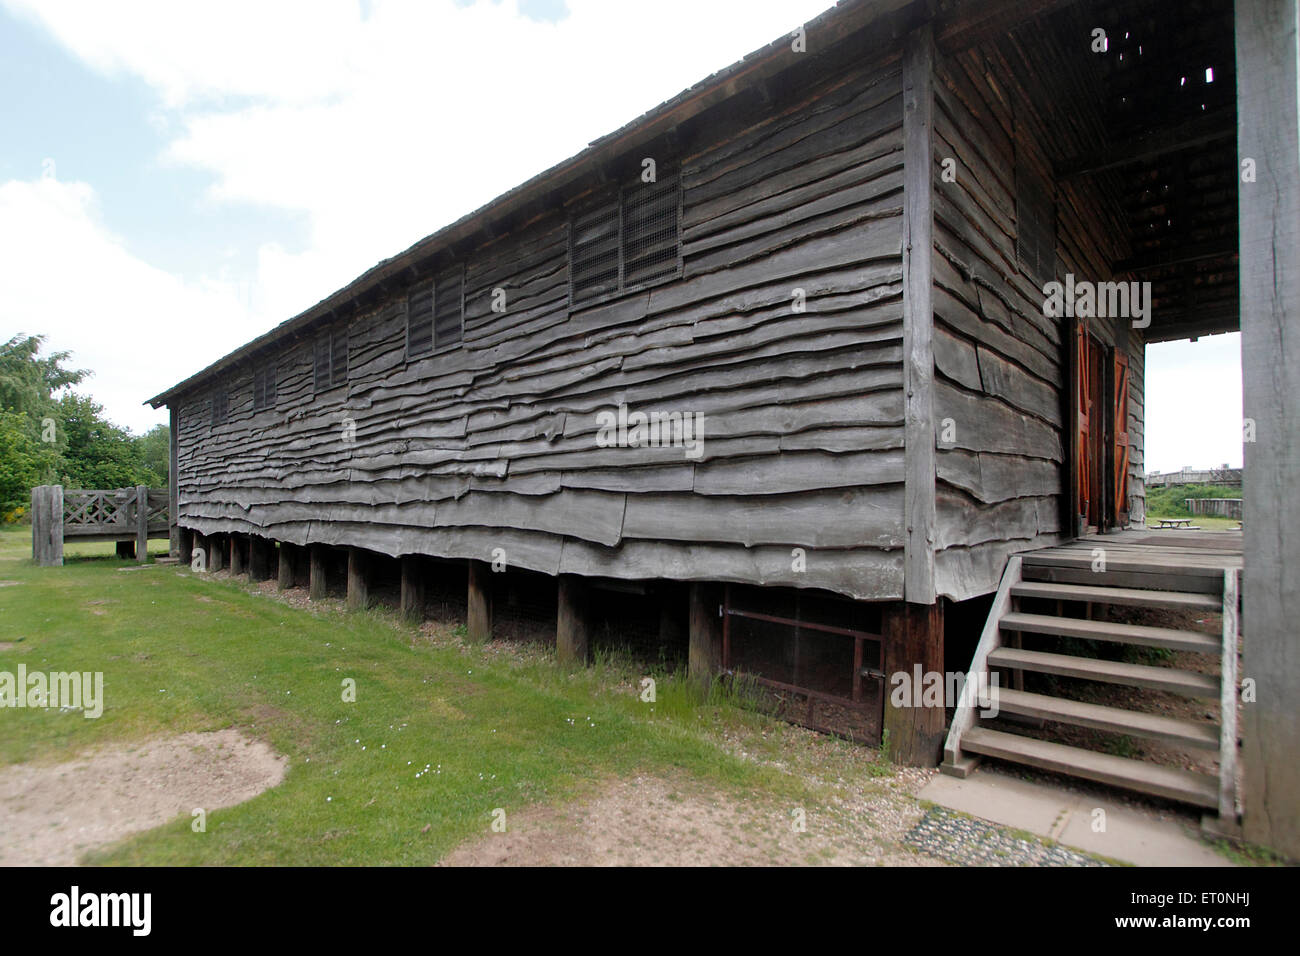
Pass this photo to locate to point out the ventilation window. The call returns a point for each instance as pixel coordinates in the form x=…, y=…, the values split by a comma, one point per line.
x=1035, y=227
x=330, y=366
x=220, y=406
x=263, y=388
x=628, y=240
x=449, y=307
x=419, y=321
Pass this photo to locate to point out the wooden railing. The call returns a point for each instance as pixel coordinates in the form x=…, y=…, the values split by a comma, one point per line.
x=124, y=515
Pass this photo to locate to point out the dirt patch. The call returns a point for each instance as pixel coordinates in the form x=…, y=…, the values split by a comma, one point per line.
x=651, y=821
x=53, y=813
x=9, y=584
x=6, y=645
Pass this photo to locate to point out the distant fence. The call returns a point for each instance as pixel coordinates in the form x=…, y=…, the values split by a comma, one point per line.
x=129, y=516
x=1216, y=507
x=1211, y=476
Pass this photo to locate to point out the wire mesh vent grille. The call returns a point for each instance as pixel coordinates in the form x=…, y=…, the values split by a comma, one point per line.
x=419, y=321
x=449, y=315
x=650, y=230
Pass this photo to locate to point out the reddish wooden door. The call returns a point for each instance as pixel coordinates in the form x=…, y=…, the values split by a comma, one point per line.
x=1120, y=453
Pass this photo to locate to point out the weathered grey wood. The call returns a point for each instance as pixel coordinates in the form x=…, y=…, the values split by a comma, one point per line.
x=216, y=553
x=704, y=658
x=142, y=524
x=412, y=596
x=478, y=620
x=1269, y=218
x=1174, y=680
x=358, y=598
x=284, y=566
x=1228, y=692
x=571, y=624
x=1115, y=720
x=47, y=525
x=317, y=587
x=918, y=315
x=173, y=483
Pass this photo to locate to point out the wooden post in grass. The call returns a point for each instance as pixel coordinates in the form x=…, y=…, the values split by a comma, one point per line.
x=358, y=579
x=316, y=589
x=413, y=588
x=478, y=617
x=142, y=525
x=47, y=526
x=913, y=638
x=236, y=556
x=259, y=558
x=216, y=553
x=284, y=567
x=571, y=620
x=704, y=653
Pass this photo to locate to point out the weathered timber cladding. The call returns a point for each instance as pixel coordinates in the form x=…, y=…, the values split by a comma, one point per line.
x=493, y=443
x=1001, y=367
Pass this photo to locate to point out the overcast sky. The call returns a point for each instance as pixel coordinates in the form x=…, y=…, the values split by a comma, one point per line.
x=176, y=178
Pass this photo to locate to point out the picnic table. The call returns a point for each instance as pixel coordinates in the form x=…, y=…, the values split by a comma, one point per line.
x=1173, y=522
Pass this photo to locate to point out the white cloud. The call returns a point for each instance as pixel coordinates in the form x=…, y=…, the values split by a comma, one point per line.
x=381, y=130
x=139, y=328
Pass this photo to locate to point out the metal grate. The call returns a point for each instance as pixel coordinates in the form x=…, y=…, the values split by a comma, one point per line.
x=593, y=252
x=263, y=387
x=449, y=307
x=419, y=321
x=650, y=230
x=339, y=357
x=220, y=406
x=321, y=366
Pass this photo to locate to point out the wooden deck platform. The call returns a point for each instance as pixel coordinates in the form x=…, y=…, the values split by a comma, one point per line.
x=1145, y=549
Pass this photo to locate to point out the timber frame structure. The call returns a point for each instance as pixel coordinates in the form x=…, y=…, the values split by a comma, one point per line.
x=839, y=262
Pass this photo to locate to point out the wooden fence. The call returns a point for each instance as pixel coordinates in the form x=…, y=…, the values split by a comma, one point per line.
x=1217, y=507
x=129, y=516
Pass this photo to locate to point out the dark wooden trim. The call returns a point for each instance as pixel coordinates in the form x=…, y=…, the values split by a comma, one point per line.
x=571, y=620
x=704, y=656
x=478, y=609
x=913, y=636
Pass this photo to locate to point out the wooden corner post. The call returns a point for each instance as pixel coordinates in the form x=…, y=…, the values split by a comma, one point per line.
x=913, y=724
x=142, y=526
x=918, y=316
x=47, y=526
x=358, y=579
x=704, y=649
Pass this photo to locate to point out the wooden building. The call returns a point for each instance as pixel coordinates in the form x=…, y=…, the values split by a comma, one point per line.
x=823, y=276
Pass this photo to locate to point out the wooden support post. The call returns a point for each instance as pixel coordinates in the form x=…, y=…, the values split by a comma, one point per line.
x=413, y=571
x=358, y=579
x=236, y=555
x=1268, y=215
x=216, y=553
x=913, y=647
x=478, y=618
x=47, y=525
x=285, y=566
x=142, y=526
x=173, y=485
x=186, y=537
x=259, y=558
x=571, y=620
x=704, y=655
x=316, y=584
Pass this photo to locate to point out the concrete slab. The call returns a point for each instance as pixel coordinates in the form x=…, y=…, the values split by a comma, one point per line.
x=1073, y=820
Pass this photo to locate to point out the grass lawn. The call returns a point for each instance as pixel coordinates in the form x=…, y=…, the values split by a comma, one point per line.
x=503, y=729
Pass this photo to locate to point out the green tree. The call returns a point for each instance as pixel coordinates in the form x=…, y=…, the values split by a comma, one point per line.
x=96, y=453
x=25, y=462
x=156, y=455
x=28, y=380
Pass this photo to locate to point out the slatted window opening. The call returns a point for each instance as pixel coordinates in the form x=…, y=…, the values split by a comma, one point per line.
x=330, y=362
x=419, y=321
x=263, y=387
x=449, y=306
x=630, y=238
x=220, y=406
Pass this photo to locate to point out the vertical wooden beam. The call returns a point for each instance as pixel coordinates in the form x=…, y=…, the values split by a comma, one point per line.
x=1268, y=131
x=478, y=619
x=317, y=587
x=704, y=652
x=173, y=485
x=358, y=579
x=216, y=553
x=413, y=571
x=571, y=620
x=285, y=566
x=142, y=526
x=918, y=316
x=259, y=558
x=913, y=648
x=47, y=526
x=236, y=555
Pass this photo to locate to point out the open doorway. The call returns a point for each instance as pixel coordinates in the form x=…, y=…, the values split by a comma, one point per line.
x=1102, y=446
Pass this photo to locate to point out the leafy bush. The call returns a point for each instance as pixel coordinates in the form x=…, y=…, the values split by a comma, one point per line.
x=1171, y=501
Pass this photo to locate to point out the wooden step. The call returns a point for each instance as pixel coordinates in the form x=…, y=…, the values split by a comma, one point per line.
x=1124, y=575
x=1187, y=683
x=1133, y=597
x=1186, y=733
x=1172, y=783
x=1140, y=634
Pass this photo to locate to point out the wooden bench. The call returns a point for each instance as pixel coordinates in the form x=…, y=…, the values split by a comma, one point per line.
x=1174, y=522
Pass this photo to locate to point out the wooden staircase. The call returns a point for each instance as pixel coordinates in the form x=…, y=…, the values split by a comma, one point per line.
x=1058, y=582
